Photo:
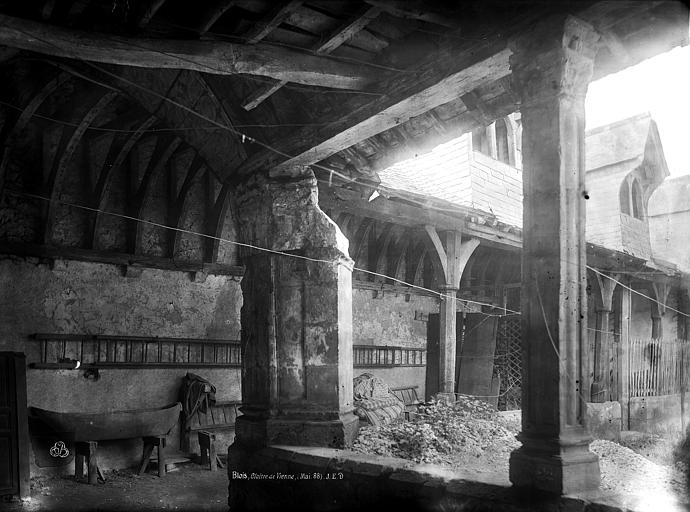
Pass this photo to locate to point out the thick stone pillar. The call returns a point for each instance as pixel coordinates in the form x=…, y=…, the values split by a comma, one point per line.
x=296, y=318
x=551, y=68
x=660, y=293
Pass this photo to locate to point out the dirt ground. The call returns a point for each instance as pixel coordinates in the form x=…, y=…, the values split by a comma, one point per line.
x=189, y=488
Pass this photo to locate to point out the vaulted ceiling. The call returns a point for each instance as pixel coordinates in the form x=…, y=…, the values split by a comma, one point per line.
x=190, y=97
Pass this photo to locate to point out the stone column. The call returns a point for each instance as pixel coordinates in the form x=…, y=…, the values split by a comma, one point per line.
x=296, y=318
x=551, y=69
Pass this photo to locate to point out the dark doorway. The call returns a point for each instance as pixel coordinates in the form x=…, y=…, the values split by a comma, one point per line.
x=433, y=351
x=14, y=438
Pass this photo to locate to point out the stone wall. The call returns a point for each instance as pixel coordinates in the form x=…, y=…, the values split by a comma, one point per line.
x=658, y=414
x=304, y=478
x=395, y=319
x=91, y=298
x=496, y=188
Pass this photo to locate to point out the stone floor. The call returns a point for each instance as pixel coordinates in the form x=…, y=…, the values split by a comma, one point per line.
x=188, y=487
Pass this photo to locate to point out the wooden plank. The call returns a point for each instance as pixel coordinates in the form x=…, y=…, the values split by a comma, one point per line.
x=261, y=94
x=340, y=36
x=212, y=14
x=264, y=27
x=430, y=85
x=149, y=8
x=115, y=258
x=417, y=10
x=215, y=57
x=348, y=30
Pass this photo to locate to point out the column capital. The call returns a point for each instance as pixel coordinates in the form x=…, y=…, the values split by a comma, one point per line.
x=554, y=60
x=281, y=212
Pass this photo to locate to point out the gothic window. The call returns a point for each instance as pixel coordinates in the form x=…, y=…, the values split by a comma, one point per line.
x=631, y=198
x=502, y=145
x=625, y=197
x=636, y=200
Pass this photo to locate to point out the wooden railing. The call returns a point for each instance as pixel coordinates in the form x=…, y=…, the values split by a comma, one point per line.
x=658, y=367
x=101, y=351
x=372, y=356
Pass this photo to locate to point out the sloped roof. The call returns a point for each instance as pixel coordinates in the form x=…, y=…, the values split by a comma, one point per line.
x=671, y=196
x=435, y=174
x=620, y=141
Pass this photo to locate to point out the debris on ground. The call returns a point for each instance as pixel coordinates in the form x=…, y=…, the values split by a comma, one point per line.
x=438, y=432
x=472, y=436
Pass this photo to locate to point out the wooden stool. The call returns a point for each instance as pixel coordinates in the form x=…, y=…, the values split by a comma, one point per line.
x=88, y=449
x=207, y=448
x=149, y=444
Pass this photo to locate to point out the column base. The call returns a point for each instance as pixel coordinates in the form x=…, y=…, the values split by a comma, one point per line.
x=257, y=433
x=568, y=470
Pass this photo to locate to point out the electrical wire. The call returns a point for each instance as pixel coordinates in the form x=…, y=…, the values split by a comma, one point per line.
x=257, y=248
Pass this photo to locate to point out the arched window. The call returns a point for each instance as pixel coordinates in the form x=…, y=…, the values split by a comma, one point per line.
x=625, y=197
x=636, y=200
x=502, y=146
x=479, y=140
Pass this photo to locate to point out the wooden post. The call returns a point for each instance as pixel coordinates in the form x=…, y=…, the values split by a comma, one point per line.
x=624, y=359
x=551, y=70
x=453, y=259
x=602, y=341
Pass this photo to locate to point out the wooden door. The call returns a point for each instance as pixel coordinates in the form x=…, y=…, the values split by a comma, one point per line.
x=14, y=442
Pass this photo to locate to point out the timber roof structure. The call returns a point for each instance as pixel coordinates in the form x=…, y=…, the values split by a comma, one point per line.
x=167, y=104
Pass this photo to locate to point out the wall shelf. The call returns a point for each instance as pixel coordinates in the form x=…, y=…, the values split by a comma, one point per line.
x=61, y=351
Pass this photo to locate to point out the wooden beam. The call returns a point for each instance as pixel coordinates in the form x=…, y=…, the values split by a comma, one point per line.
x=181, y=201
x=149, y=9
x=213, y=14
x=213, y=57
x=116, y=258
x=417, y=216
x=261, y=94
x=102, y=187
x=64, y=157
x=264, y=27
x=24, y=118
x=348, y=30
x=337, y=38
x=165, y=148
x=417, y=10
x=432, y=84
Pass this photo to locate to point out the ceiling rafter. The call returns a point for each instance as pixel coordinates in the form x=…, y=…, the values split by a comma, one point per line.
x=11, y=130
x=332, y=43
x=109, y=169
x=180, y=202
x=417, y=10
x=148, y=10
x=212, y=14
x=428, y=86
x=68, y=145
x=215, y=57
x=165, y=148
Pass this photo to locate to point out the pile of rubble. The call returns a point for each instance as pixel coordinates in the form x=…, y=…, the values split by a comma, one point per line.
x=439, y=431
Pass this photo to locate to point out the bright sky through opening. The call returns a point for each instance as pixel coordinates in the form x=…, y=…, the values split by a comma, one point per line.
x=659, y=86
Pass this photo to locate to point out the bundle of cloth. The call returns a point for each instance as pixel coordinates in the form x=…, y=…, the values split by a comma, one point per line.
x=374, y=401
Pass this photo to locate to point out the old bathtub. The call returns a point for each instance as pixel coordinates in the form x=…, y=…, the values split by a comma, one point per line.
x=101, y=426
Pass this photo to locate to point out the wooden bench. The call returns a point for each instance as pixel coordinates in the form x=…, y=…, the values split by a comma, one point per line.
x=408, y=396
x=219, y=417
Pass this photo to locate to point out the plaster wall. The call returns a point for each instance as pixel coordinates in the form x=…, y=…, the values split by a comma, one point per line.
x=91, y=298
x=391, y=319
x=668, y=238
